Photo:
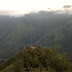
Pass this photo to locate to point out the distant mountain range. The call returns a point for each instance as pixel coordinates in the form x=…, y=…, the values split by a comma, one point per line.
x=34, y=29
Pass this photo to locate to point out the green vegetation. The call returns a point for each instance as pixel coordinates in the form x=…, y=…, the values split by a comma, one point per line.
x=37, y=60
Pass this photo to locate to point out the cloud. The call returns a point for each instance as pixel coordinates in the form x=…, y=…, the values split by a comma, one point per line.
x=67, y=6
x=11, y=13
x=5, y=12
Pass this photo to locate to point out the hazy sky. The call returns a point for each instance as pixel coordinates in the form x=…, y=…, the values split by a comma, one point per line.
x=25, y=6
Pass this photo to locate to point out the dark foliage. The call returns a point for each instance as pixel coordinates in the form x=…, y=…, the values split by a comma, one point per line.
x=37, y=60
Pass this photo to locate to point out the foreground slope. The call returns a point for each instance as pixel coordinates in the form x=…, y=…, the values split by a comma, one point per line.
x=37, y=60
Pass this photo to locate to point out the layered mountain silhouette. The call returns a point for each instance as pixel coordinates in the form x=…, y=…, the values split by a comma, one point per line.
x=34, y=29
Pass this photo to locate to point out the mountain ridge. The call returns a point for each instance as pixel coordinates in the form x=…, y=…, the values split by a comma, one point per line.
x=38, y=29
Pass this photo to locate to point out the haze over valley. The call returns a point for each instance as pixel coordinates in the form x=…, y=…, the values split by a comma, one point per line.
x=34, y=29
x=35, y=35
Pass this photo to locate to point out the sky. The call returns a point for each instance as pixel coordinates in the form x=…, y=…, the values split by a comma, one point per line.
x=26, y=6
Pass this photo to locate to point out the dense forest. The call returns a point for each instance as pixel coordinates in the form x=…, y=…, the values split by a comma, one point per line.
x=36, y=59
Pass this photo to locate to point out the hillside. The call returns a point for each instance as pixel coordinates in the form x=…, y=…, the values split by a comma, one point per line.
x=6, y=22
x=62, y=34
x=37, y=60
x=36, y=29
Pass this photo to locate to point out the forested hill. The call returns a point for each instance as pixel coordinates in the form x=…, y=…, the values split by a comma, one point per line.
x=36, y=29
x=37, y=60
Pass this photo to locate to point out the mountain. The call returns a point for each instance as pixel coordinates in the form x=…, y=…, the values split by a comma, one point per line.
x=63, y=34
x=35, y=29
x=6, y=22
x=37, y=60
